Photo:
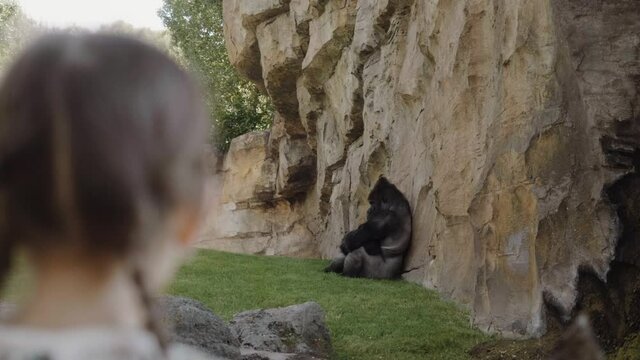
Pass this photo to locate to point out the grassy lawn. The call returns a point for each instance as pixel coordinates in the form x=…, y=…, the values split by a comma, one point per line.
x=368, y=319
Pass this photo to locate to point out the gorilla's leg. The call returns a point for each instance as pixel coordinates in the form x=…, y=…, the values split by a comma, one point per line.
x=360, y=264
x=378, y=267
x=354, y=263
x=336, y=265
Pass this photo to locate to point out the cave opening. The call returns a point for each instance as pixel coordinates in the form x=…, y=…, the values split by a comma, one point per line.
x=613, y=305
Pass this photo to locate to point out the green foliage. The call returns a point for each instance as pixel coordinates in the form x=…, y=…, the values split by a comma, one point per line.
x=630, y=349
x=8, y=11
x=20, y=281
x=159, y=39
x=368, y=319
x=15, y=30
x=236, y=104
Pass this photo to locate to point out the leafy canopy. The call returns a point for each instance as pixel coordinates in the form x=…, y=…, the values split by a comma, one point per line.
x=236, y=105
x=15, y=30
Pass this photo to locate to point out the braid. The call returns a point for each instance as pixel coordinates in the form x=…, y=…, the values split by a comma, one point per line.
x=7, y=244
x=152, y=323
x=6, y=253
x=64, y=189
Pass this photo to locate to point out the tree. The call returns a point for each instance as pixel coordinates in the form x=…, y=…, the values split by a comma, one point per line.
x=159, y=39
x=15, y=30
x=8, y=11
x=236, y=105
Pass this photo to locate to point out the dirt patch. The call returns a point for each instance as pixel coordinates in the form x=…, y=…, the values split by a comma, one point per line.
x=531, y=349
x=534, y=349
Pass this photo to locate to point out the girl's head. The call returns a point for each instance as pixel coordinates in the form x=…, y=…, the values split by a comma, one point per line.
x=100, y=156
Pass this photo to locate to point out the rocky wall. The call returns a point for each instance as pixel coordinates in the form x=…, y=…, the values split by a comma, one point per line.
x=245, y=198
x=504, y=122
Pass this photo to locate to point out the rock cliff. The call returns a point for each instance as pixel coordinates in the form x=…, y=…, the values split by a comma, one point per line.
x=506, y=124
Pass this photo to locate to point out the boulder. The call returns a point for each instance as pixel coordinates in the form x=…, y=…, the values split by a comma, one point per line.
x=191, y=323
x=298, y=329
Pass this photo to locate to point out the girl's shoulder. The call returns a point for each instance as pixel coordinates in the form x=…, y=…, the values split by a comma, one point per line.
x=18, y=343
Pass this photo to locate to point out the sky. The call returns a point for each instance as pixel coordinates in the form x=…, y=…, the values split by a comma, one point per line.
x=93, y=13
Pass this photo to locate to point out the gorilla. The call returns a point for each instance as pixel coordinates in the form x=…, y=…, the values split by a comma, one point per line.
x=376, y=249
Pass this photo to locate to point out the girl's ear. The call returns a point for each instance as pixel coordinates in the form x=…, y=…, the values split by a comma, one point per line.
x=188, y=226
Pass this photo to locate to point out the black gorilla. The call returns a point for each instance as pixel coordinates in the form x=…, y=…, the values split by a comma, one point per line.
x=376, y=249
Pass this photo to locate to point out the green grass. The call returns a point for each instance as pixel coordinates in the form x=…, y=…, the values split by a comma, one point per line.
x=368, y=319
x=19, y=282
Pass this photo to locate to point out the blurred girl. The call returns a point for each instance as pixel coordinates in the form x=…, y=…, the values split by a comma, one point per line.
x=101, y=141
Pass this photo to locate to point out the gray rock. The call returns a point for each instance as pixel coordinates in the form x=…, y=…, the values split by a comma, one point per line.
x=292, y=331
x=194, y=324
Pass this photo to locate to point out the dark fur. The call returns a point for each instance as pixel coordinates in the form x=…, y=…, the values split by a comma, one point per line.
x=376, y=248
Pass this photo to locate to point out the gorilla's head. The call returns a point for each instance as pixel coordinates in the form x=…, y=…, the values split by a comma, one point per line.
x=383, y=195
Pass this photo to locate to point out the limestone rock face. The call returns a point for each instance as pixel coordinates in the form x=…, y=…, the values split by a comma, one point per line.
x=249, y=200
x=296, y=167
x=250, y=171
x=503, y=122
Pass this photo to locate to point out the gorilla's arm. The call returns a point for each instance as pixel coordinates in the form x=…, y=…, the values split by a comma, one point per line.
x=352, y=238
x=371, y=232
x=356, y=238
x=384, y=221
x=373, y=247
x=360, y=237
x=347, y=239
